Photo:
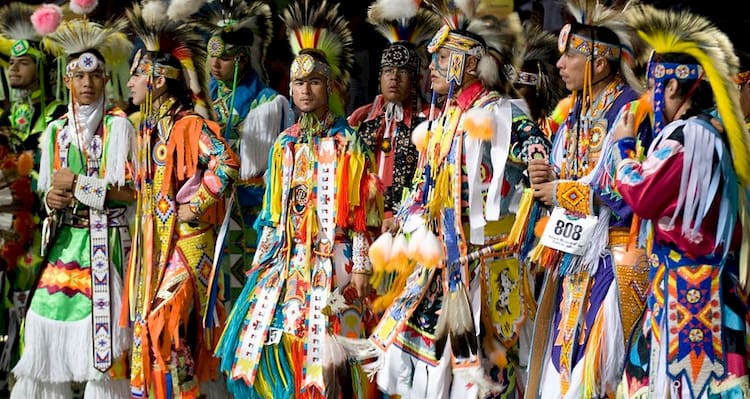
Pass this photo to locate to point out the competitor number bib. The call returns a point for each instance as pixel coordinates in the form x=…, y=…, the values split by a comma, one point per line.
x=568, y=232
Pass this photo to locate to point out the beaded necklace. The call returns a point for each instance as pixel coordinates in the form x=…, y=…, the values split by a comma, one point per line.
x=580, y=129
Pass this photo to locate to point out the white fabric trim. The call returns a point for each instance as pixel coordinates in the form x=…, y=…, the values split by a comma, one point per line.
x=257, y=134
x=120, y=141
x=57, y=351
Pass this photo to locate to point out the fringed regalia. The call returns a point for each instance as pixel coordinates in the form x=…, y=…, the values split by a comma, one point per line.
x=601, y=292
x=171, y=266
x=279, y=339
x=250, y=113
x=594, y=290
x=464, y=192
x=691, y=192
x=31, y=109
x=259, y=114
x=78, y=296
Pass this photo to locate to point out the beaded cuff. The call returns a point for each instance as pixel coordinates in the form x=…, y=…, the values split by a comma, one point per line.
x=91, y=191
x=574, y=196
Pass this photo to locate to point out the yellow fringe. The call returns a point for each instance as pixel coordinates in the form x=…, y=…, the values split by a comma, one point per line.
x=380, y=304
x=592, y=359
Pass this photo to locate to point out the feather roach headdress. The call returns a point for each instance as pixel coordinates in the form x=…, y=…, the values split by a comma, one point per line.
x=23, y=26
x=694, y=35
x=496, y=43
x=317, y=27
x=170, y=35
x=22, y=30
x=601, y=31
x=407, y=27
x=238, y=28
x=538, y=67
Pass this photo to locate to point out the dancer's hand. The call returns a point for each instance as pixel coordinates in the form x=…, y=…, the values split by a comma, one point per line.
x=63, y=179
x=186, y=215
x=544, y=192
x=540, y=171
x=58, y=198
x=361, y=283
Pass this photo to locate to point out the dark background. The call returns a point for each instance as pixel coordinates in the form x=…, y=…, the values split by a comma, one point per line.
x=368, y=44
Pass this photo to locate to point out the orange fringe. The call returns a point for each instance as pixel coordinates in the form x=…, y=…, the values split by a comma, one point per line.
x=183, y=143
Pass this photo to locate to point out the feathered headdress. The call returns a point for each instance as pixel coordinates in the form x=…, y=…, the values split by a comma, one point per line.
x=83, y=38
x=407, y=27
x=538, y=67
x=317, y=26
x=694, y=35
x=23, y=26
x=599, y=18
x=22, y=30
x=496, y=43
x=238, y=28
x=162, y=34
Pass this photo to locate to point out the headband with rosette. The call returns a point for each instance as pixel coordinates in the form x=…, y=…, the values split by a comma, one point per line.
x=164, y=29
x=317, y=27
x=238, y=28
x=495, y=42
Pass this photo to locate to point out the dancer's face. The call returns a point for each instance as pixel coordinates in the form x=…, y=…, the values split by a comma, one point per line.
x=310, y=94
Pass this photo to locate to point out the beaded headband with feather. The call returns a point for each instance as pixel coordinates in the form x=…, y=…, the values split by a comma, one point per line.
x=407, y=27
x=539, y=68
x=694, y=35
x=596, y=16
x=170, y=35
x=237, y=27
x=495, y=42
x=317, y=26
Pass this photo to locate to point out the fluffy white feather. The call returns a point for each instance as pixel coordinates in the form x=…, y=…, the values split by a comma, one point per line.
x=389, y=10
x=180, y=10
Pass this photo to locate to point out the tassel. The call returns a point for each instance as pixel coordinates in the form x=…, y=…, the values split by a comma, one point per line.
x=431, y=254
x=398, y=259
x=541, y=224
x=419, y=135
x=479, y=124
x=380, y=251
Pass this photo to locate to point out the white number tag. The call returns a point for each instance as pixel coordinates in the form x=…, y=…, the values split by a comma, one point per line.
x=274, y=336
x=568, y=232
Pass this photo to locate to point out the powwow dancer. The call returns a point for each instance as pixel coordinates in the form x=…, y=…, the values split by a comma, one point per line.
x=183, y=171
x=320, y=201
x=71, y=333
x=691, y=188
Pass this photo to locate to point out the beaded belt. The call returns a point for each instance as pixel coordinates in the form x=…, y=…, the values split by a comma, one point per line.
x=115, y=218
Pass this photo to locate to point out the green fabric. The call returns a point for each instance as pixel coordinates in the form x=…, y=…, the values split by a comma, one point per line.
x=72, y=247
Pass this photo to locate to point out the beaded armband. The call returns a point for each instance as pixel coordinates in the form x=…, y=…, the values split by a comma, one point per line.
x=574, y=196
x=91, y=191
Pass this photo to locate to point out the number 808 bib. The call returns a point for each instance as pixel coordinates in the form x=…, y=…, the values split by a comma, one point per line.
x=568, y=232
